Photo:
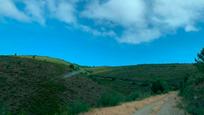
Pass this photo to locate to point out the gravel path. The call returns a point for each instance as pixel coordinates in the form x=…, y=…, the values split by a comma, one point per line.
x=165, y=106
x=157, y=105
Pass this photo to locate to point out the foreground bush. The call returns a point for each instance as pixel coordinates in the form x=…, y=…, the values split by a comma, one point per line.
x=77, y=107
x=159, y=86
x=193, y=90
x=133, y=96
x=193, y=95
x=137, y=95
x=110, y=99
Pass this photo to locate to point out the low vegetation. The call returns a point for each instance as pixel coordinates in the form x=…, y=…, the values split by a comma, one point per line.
x=29, y=86
x=37, y=87
x=138, y=82
x=193, y=90
x=76, y=108
x=109, y=99
x=34, y=85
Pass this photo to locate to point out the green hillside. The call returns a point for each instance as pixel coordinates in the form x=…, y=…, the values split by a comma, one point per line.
x=46, y=58
x=37, y=85
x=148, y=71
x=29, y=86
x=126, y=79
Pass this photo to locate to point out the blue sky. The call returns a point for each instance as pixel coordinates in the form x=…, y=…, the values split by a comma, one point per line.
x=98, y=32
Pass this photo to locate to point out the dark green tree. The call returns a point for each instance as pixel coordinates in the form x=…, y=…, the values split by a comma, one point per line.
x=34, y=56
x=72, y=67
x=200, y=61
x=158, y=87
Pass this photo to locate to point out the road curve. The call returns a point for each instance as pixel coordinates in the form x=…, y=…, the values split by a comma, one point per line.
x=165, y=104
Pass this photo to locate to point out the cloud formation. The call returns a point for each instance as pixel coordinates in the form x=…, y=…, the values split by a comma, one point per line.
x=63, y=10
x=9, y=9
x=132, y=21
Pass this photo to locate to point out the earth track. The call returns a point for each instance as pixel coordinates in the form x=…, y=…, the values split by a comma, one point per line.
x=165, y=104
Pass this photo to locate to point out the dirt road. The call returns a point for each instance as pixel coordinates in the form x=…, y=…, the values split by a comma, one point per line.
x=157, y=105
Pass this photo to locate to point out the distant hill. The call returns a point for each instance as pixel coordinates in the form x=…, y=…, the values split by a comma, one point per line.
x=125, y=79
x=148, y=71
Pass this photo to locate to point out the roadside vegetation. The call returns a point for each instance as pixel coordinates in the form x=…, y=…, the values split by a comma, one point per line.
x=193, y=90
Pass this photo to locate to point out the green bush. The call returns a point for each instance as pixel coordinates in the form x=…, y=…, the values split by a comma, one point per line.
x=77, y=107
x=133, y=96
x=3, y=110
x=110, y=99
x=193, y=90
x=193, y=95
x=159, y=86
x=137, y=95
x=74, y=67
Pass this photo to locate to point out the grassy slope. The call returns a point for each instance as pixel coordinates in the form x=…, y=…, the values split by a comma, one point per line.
x=46, y=58
x=127, y=79
x=33, y=86
x=163, y=71
x=23, y=79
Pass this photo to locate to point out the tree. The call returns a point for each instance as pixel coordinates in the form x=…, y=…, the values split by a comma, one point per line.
x=158, y=86
x=71, y=66
x=34, y=56
x=200, y=61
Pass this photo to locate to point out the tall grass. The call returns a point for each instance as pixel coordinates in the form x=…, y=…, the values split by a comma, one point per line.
x=110, y=99
x=77, y=107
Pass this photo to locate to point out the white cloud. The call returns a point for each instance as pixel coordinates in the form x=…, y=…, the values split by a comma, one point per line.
x=39, y=10
x=97, y=32
x=63, y=10
x=190, y=28
x=178, y=13
x=128, y=13
x=143, y=20
x=137, y=37
x=35, y=9
x=66, y=12
x=8, y=9
x=130, y=21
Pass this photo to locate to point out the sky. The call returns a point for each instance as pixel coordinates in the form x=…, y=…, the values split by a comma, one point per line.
x=104, y=32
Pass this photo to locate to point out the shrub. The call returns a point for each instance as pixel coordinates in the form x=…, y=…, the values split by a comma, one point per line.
x=74, y=67
x=77, y=107
x=193, y=90
x=193, y=95
x=110, y=99
x=3, y=110
x=34, y=56
x=133, y=96
x=159, y=86
x=137, y=95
